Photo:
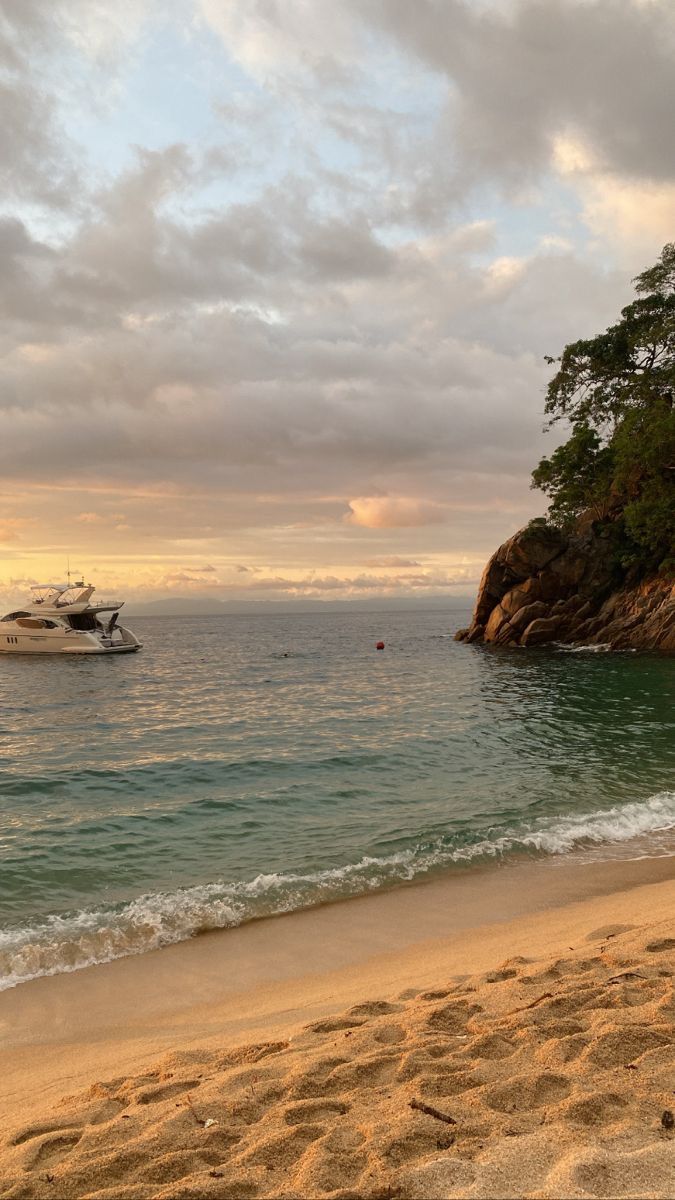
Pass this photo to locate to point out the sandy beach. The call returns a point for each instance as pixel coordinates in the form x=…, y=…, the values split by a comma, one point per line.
x=397, y=1045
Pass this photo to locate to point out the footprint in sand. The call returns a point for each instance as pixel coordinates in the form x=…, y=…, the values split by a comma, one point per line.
x=601, y=1174
x=453, y=1083
x=346, y=1139
x=437, y=1049
x=334, y=1024
x=562, y=1029
x=524, y=1092
x=601, y=1108
x=559, y=1051
x=426, y=1061
x=250, y=1054
x=627, y=995
x=282, y=1150
x=501, y=976
x=490, y=1046
x=52, y=1149
x=316, y=1082
x=374, y=1008
x=507, y=970
x=172, y=1167
x=337, y=1174
x=35, y=1131
x=440, y=1177
x=166, y=1091
x=661, y=945
x=365, y=1072
x=607, y=931
x=234, y=1187
x=452, y=1018
x=389, y=1035
x=571, y=1001
x=619, y=1047
x=309, y=1111
x=415, y=1144
x=116, y=1173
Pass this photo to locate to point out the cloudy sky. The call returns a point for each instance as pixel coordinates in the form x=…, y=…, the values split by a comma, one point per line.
x=278, y=277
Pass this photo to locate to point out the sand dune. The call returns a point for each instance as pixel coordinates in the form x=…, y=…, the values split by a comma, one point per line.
x=541, y=1079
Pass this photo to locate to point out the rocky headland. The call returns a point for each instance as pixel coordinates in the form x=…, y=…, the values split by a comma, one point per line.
x=542, y=586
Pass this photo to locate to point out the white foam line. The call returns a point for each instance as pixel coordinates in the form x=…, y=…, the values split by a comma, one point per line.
x=68, y=943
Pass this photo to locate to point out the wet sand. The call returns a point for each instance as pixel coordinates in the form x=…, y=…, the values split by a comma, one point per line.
x=556, y=1065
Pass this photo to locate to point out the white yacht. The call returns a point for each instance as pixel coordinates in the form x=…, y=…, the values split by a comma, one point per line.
x=64, y=619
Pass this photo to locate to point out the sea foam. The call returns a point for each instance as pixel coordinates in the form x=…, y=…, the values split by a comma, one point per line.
x=68, y=942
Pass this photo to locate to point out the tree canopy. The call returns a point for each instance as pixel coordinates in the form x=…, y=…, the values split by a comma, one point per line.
x=617, y=392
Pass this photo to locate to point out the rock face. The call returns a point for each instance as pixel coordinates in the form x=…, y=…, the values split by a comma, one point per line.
x=542, y=587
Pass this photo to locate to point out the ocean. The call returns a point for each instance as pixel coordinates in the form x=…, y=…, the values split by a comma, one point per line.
x=241, y=766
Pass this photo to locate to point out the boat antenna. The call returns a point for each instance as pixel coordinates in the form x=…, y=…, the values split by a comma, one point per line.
x=68, y=570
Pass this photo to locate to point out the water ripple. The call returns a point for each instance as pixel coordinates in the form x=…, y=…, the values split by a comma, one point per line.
x=287, y=749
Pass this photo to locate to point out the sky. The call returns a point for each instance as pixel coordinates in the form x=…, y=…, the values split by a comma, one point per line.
x=279, y=276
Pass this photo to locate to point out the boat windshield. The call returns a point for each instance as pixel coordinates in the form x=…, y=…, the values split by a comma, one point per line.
x=82, y=621
x=47, y=593
x=60, y=595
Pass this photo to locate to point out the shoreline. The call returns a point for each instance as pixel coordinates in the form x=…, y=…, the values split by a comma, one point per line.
x=533, y=1055
x=155, y=921
x=275, y=971
x=396, y=1045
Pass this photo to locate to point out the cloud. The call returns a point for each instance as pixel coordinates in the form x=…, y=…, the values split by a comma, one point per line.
x=526, y=73
x=394, y=512
x=633, y=215
x=40, y=73
x=189, y=576
x=363, y=584
x=321, y=281
x=11, y=528
x=270, y=38
x=391, y=560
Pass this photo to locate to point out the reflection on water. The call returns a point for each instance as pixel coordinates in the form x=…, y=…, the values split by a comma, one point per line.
x=277, y=759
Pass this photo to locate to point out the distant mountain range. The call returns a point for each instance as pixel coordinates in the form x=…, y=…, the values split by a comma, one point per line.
x=205, y=606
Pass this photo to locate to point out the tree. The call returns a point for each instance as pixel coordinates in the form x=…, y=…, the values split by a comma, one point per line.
x=578, y=476
x=616, y=391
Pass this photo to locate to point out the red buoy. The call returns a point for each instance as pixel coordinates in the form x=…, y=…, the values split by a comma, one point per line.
x=380, y=646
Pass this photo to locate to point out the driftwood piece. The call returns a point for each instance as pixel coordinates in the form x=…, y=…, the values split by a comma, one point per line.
x=432, y=1112
x=198, y=1119
x=533, y=1003
x=626, y=975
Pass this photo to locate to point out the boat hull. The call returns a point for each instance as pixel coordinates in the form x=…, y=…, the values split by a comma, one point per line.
x=104, y=650
x=58, y=643
x=63, y=619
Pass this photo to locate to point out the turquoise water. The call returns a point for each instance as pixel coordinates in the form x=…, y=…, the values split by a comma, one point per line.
x=244, y=765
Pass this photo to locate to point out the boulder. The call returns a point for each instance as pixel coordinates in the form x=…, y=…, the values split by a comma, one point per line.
x=541, y=586
x=519, y=558
x=522, y=594
x=544, y=629
x=532, y=549
x=531, y=612
x=497, y=619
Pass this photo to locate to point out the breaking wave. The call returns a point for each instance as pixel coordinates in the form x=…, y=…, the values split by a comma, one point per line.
x=71, y=941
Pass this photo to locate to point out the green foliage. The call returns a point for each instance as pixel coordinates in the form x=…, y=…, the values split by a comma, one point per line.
x=578, y=476
x=616, y=391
